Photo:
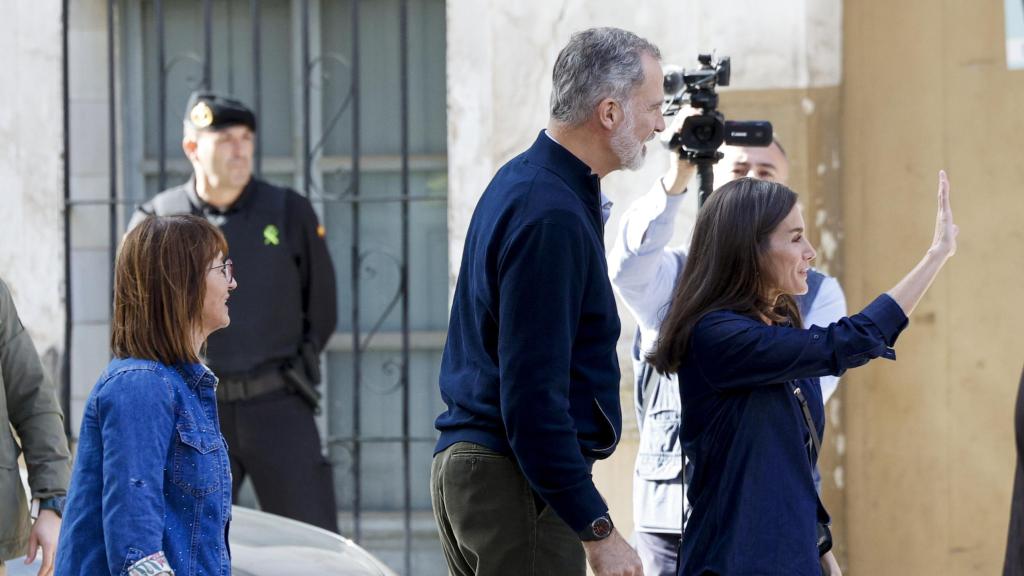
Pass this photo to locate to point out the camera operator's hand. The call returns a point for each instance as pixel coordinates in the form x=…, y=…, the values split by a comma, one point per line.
x=613, y=556
x=680, y=171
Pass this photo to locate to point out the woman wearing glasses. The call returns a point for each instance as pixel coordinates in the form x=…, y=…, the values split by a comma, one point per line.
x=151, y=487
x=752, y=409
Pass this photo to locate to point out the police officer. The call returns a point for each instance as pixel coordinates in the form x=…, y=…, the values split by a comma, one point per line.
x=268, y=359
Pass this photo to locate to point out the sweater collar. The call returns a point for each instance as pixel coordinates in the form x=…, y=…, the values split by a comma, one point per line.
x=577, y=175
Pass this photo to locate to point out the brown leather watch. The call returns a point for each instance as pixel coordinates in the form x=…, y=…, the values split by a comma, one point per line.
x=599, y=529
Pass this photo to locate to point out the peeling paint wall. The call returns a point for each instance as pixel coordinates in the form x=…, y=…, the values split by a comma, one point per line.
x=930, y=453
x=89, y=109
x=32, y=169
x=500, y=56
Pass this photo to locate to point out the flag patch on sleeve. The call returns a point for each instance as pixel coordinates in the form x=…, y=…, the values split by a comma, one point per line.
x=153, y=565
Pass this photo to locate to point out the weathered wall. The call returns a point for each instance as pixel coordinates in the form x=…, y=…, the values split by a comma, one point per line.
x=930, y=437
x=89, y=141
x=500, y=56
x=32, y=169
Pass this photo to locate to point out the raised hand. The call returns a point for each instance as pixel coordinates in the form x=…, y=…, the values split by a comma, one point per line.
x=944, y=242
x=680, y=171
x=908, y=292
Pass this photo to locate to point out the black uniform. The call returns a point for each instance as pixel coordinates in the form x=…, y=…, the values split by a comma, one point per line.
x=284, y=306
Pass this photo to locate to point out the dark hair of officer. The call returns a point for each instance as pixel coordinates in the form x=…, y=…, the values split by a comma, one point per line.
x=160, y=286
x=726, y=266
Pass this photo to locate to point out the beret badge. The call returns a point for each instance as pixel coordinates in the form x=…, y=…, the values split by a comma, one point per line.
x=201, y=115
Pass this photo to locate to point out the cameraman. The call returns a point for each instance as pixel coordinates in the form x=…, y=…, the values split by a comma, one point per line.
x=644, y=271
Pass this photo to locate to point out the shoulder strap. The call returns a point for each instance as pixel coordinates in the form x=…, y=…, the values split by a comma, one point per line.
x=824, y=535
x=279, y=204
x=808, y=419
x=171, y=202
x=273, y=199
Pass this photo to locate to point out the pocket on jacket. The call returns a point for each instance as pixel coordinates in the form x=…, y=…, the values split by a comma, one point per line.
x=196, y=461
x=609, y=436
x=660, y=456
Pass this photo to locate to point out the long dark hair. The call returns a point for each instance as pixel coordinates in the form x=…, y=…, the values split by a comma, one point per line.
x=725, y=268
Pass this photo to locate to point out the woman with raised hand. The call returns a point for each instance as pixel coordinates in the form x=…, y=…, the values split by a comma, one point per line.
x=151, y=488
x=748, y=373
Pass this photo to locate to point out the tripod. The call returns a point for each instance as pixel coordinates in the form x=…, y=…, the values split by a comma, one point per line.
x=705, y=161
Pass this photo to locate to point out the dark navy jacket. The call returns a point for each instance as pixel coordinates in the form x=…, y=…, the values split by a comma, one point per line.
x=753, y=497
x=529, y=367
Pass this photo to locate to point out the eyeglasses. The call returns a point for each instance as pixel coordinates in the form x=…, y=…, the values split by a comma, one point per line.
x=227, y=269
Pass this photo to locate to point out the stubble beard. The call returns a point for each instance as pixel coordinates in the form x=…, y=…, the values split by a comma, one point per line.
x=626, y=147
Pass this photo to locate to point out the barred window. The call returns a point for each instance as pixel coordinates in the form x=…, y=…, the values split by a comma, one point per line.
x=330, y=115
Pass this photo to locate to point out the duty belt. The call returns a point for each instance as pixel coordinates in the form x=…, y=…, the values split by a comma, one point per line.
x=235, y=389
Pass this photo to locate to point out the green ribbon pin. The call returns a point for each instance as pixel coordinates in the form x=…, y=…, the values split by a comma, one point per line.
x=271, y=236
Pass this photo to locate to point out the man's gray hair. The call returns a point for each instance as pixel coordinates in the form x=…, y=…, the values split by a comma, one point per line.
x=596, y=64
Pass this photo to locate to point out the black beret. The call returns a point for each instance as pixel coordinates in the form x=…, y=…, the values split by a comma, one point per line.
x=212, y=111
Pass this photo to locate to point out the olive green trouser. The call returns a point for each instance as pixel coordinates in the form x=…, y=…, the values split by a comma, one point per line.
x=491, y=523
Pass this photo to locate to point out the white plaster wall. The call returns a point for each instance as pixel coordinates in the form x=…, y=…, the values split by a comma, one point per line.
x=31, y=167
x=89, y=142
x=500, y=56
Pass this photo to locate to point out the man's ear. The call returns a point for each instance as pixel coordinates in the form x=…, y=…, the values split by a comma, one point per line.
x=188, y=146
x=609, y=113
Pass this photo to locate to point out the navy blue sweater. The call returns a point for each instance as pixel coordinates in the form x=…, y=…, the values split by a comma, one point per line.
x=753, y=497
x=529, y=367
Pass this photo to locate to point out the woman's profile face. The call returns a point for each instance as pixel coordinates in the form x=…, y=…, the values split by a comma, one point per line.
x=789, y=256
x=220, y=282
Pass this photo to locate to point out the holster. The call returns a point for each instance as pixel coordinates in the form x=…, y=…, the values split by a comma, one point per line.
x=310, y=360
x=303, y=374
x=302, y=387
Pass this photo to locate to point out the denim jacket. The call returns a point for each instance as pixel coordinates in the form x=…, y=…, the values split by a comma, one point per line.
x=151, y=487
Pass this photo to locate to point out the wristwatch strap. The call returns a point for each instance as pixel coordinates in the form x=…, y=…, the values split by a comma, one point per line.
x=599, y=529
x=54, y=503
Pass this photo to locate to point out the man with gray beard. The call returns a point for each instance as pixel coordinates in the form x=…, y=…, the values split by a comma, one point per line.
x=530, y=373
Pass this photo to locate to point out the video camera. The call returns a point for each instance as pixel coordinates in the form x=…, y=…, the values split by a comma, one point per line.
x=702, y=135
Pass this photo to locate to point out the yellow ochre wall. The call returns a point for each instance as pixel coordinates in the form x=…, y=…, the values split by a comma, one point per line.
x=929, y=438
x=919, y=456
x=919, y=452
